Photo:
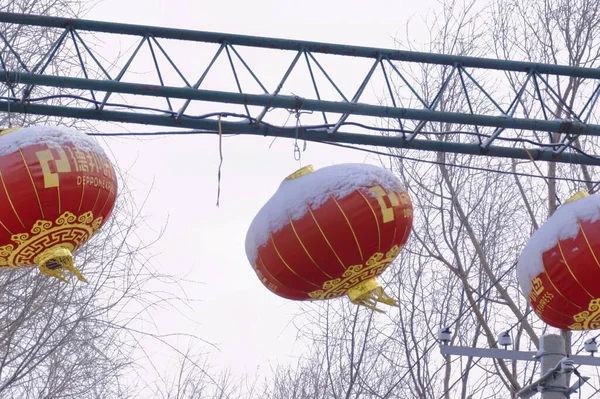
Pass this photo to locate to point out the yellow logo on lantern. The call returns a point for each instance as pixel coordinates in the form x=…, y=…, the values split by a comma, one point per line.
x=62, y=166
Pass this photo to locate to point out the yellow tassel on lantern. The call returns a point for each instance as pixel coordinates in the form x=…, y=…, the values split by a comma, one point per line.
x=368, y=293
x=56, y=261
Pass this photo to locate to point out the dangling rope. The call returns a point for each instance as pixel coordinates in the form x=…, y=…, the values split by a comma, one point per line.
x=220, y=162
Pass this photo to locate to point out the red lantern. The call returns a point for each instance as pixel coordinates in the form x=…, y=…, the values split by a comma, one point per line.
x=331, y=232
x=559, y=268
x=57, y=188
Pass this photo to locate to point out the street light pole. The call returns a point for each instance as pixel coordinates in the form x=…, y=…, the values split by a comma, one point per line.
x=552, y=351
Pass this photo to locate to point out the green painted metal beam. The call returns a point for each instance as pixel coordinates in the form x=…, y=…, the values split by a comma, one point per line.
x=300, y=103
x=211, y=127
x=570, y=129
x=297, y=45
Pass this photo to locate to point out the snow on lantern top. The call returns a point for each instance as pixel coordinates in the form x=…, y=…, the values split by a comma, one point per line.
x=309, y=188
x=13, y=139
x=563, y=224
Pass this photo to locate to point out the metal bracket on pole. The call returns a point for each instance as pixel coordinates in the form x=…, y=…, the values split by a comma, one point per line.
x=545, y=382
x=552, y=383
x=512, y=355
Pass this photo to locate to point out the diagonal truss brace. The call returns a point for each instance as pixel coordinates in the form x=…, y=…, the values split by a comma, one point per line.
x=574, y=125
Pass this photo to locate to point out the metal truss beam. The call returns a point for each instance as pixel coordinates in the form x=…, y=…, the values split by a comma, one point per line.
x=288, y=102
x=302, y=133
x=296, y=45
x=511, y=121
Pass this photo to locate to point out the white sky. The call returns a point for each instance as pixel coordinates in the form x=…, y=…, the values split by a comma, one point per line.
x=249, y=324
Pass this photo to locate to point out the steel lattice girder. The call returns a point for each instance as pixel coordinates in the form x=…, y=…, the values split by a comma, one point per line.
x=506, y=129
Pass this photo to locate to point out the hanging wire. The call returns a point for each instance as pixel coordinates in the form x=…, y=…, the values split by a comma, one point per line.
x=220, y=161
x=502, y=172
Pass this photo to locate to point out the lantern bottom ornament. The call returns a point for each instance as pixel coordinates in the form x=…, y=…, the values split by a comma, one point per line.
x=369, y=293
x=55, y=262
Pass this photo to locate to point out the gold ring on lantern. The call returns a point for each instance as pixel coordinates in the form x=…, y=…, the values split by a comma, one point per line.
x=577, y=196
x=301, y=172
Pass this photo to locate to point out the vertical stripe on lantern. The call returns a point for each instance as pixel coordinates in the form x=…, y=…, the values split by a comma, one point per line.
x=5, y=228
x=106, y=201
x=275, y=283
x=96, y=201
x=363, y=219
x=322, y=250
x=279, y=268
x=546, y=300
x=569, y=269
x=293, y=255
x=572, y=255
x=360, y=252
x=338, y=231
x=587, y=242
x=11, y=170
x=33, y=186
x=558, y=291
x=308, y=255
x=266, y=275
x=375, y=218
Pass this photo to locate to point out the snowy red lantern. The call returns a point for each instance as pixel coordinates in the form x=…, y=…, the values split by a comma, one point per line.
x=331, y=232
x=57, y=189
x=559, y=268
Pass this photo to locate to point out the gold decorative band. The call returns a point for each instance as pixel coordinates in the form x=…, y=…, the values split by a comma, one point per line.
x=359, y=282
x=588, y=319
x=50, y=244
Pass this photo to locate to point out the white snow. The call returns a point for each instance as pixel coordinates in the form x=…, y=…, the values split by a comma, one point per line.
x=50, y=135
x=293, y=197
x=560, y=226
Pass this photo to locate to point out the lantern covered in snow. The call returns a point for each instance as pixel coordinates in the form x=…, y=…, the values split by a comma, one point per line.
x=331, y=232
x=559, y=268
x=57, y=188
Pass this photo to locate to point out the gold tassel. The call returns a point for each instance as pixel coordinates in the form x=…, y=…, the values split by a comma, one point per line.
x=368, y=293
x=56, y=262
